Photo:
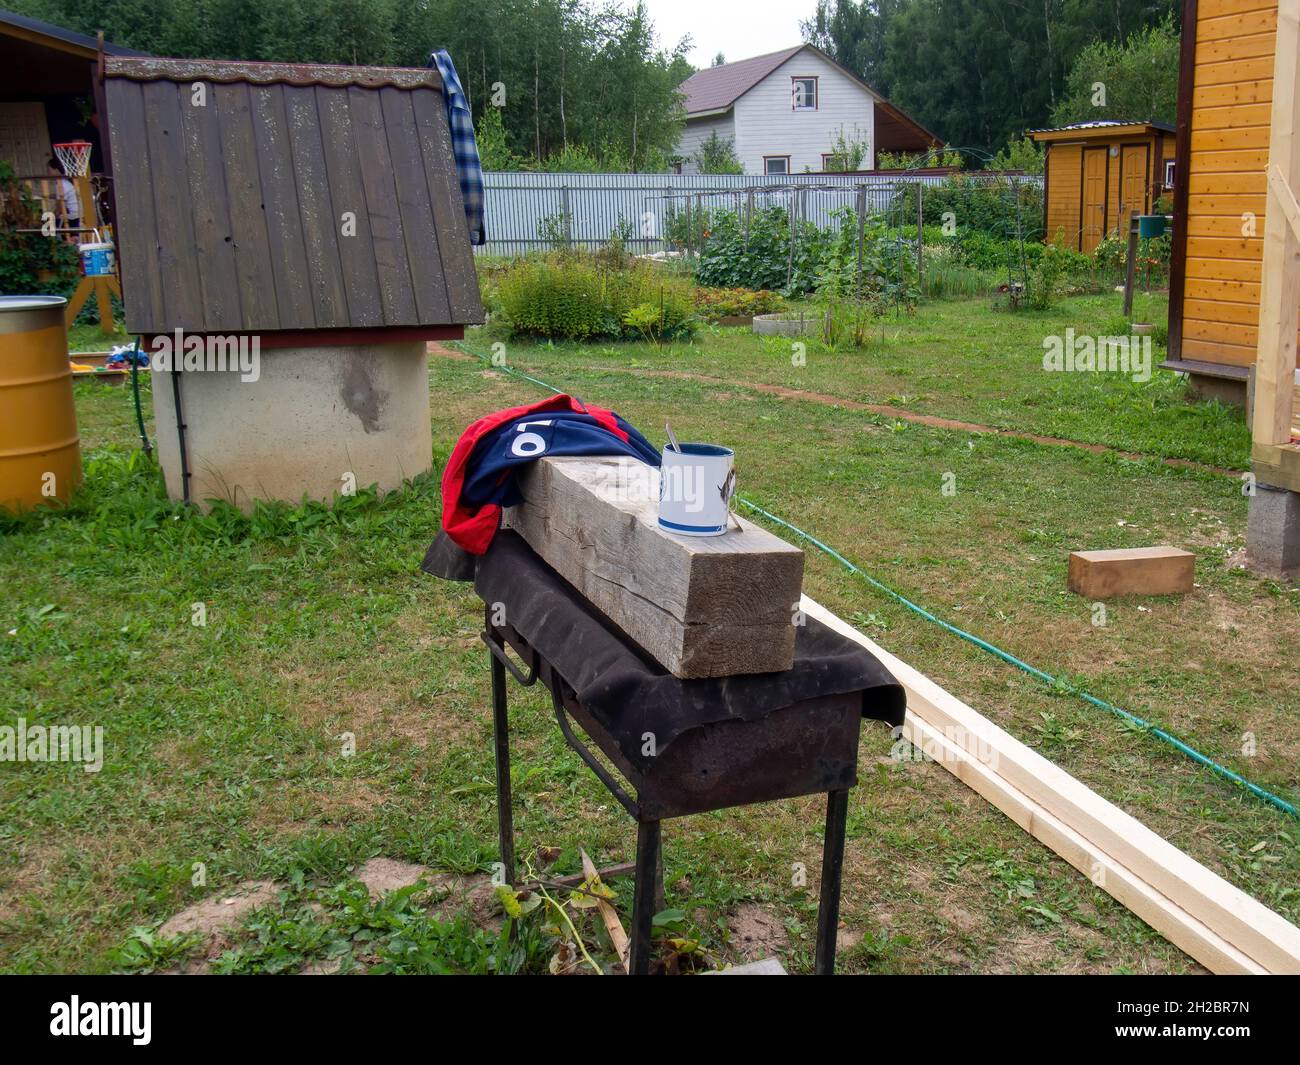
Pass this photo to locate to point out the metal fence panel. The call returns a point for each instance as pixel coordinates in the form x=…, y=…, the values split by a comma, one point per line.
x=527, y=211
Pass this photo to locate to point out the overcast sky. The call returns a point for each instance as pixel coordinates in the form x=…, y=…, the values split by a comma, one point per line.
x=736, y=28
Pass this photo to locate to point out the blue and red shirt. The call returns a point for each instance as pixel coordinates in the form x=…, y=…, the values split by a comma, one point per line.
x=480, y=475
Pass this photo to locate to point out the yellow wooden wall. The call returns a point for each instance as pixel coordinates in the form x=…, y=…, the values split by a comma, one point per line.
x=1064, y=176
x=1232, y=90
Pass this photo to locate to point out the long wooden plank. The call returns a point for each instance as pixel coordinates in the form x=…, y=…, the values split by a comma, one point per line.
x=1174, y=923
x=177, y=263
x=389, y=249
x=210, y=204
x=137, y=237
x=280, y=202
x=1252, y=928
x=414, y=207
x=248, y=235
x=320, y=228
x=361, y=278
x=448, y=207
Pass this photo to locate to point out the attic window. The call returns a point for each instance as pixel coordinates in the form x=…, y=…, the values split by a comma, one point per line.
x=803, y=94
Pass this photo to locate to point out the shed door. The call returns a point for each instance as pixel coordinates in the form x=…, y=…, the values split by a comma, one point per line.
x=1133, y=165
x=24, y=138
x=1094, y=198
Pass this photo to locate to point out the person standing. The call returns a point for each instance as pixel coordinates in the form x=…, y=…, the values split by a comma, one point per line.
x=67, y=204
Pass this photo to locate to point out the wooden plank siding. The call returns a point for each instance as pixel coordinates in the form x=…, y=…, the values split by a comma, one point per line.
x=1214, y=311
x=1080, y=213
x=231, y=212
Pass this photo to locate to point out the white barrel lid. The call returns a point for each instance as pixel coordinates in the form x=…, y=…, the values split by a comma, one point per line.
x=30, y=303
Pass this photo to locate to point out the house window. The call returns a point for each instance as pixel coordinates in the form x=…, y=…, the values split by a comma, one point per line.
x=803, y=94
x=776, y=164
x=1169, y=173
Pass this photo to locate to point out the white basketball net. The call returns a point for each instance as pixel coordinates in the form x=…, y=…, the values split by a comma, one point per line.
x=74, y=157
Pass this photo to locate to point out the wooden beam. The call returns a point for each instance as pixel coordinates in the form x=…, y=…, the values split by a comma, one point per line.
x=1131, y=571
x=1285, y=198
x=1249, y=927
x=1275, y=360
x=702, y=606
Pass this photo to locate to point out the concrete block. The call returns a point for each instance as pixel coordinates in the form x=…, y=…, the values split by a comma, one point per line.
x=1273, y=532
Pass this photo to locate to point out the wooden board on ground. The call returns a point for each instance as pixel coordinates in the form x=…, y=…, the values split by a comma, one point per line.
x=701, y=606
x=1196, y=909
x=1131, y=571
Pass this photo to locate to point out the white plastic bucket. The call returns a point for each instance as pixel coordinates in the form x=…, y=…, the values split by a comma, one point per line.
x=96, y=259
x=695, y=488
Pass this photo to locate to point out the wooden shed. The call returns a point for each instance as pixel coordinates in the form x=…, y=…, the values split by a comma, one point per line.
x=305, y=217
x=1224, y=109
x=1098, y=174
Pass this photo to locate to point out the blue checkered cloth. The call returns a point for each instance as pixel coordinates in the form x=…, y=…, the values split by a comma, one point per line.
x=463, y=145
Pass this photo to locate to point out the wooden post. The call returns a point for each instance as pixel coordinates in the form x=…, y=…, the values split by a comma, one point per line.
x=1132, y=264
x=862, y=224
x=1275, y=360
x=920, y=222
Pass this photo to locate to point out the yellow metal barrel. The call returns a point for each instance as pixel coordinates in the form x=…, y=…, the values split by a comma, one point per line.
x=40, y=452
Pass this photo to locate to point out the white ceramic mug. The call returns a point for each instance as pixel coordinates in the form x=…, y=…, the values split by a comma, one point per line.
x=695, y=489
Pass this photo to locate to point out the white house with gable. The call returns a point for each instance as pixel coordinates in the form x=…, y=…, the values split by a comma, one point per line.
x=784, y=111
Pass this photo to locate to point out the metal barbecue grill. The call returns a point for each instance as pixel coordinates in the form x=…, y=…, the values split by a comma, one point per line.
x=715, y=743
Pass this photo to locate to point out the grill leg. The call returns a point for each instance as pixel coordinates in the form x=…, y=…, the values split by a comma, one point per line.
x=828, y=909
x=643, y=898
x=501, y=738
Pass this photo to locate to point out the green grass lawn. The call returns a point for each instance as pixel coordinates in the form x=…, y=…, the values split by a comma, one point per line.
x=223, y=741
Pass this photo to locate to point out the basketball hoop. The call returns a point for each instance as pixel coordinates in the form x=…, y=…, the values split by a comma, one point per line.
x=74, y=157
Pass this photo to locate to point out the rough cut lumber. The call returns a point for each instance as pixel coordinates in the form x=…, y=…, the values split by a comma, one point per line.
x=1131, y=571
x=702, y=606
x=1159, y=882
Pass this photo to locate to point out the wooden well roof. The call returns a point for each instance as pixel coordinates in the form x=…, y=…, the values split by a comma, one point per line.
x=236, y=214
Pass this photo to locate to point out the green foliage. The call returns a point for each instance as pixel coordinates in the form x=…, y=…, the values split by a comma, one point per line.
x=758, y=255
x=975, y=72
x=1003, y=207
x=30, y=263
x=493, y=146
x=715, y=303
x=1140, y=77
x=853, y=292
x=935, y=157
x=717, y=155
x=1047, y=279
x=574, y=72
x=578, y=297
x=1024, y=154
x=848, y=150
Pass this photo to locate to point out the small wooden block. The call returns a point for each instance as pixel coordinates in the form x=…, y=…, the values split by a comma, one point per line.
x=701, y=606
x=1131, y=571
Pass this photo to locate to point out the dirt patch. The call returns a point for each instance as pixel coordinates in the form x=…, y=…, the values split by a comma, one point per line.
x=213, y=917
x=757, y=932
x=382, y=875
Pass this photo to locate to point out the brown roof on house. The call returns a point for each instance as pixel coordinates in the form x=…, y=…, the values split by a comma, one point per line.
x=285, y=197
x=719, y=87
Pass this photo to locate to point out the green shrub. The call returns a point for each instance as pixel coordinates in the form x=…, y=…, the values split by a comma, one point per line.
x=997, y=206
x=758, y=256
x=714, y=303
x=30, y=263
x=575, y=296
